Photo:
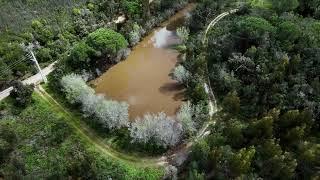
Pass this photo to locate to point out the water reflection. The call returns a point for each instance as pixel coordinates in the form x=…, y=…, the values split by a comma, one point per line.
x=164, y=38
x=143, y=78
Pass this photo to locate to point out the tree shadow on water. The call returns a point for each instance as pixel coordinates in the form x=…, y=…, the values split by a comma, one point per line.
x=175, y=89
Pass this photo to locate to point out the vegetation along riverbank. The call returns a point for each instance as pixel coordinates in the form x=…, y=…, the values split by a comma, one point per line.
x=162, y=89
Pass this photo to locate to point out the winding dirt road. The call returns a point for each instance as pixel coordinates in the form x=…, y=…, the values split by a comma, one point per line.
x=176, y=157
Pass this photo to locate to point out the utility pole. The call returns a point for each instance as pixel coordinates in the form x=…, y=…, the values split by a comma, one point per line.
x=34, y=59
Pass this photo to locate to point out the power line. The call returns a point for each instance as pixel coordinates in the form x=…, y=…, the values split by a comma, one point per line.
x=9, y=67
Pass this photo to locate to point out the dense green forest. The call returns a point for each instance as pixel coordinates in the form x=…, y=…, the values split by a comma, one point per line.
x=55, y=30
x=262, y=63
x=264, y=68
x=38, y=142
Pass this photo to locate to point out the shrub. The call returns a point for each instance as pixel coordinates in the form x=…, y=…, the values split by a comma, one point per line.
x=22, y=94
x=136, y=34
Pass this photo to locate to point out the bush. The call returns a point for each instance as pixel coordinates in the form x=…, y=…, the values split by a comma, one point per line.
x=22, y=94
x=135, y=34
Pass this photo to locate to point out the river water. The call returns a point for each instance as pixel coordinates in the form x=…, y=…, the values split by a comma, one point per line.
x=143, y=80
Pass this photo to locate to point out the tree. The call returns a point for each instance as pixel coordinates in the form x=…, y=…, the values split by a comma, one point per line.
x=240, y=162
x=288, y=33
x=135, y=34
x=181, y=74
x=309, y=159
x=191, y=117
x=197, y=93
x=284, y=5
x=201, y=152
x=42, y=32
x=243, y=67
x=12, y=54
x=259, y=130
x=75, y=88
x=194, y=174
x=146, y=9
x=22, y=94
x=171, y=172
x=231, y=103
x=107, y=41
x=185, y=117
x=134, y=8
x=4, y=149
x=80, y=56
x=183, y=34
x=44, y=55
x=234, y=132
x=110, y=114
x=275, y=163
x=160, y=128
x=6, y=72
x=252, y=31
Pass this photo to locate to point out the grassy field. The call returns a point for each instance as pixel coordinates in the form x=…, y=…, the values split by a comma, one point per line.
x=52, y=144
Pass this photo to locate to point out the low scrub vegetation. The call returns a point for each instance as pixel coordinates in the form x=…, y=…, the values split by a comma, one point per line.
x=37, y=143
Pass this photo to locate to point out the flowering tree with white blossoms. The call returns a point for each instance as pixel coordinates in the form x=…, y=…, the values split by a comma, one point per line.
x=111, y=114
x=191, y=117
x=180, y=74
x=164, y=130
x=185, y=117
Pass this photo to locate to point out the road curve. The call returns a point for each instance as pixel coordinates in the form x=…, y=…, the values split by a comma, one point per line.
x=176, y=157
x=35, y=79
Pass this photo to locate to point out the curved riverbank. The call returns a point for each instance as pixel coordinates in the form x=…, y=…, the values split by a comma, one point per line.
x=143, y=79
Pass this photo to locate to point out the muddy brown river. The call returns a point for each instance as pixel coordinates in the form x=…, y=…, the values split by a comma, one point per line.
x=143, y=80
